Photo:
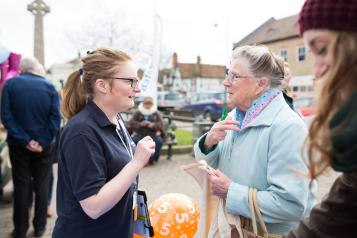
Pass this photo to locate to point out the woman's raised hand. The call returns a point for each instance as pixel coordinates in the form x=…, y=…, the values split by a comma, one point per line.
x=218, y=131
x=144, y=149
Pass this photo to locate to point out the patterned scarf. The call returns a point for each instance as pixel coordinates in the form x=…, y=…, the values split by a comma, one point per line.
x=256, y=108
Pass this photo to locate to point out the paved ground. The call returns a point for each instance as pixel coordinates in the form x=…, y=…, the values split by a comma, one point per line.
x=164, y=177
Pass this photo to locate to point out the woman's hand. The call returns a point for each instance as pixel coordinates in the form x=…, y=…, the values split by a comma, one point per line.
x=219, y=184
x=144, y=149
x=218, y=131
x=112, y=191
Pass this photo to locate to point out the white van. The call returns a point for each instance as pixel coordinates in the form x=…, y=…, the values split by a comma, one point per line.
x=168, y=100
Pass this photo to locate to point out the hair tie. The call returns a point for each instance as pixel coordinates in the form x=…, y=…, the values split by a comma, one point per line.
x=81, y=75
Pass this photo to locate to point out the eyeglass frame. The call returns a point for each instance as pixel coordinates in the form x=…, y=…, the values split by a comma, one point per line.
x=232, y=77
x=134, y=82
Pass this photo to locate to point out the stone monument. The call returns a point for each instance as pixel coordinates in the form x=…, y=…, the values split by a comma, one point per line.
x=39, y=9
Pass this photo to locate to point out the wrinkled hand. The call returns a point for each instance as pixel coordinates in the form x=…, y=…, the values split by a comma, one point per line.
x=218, y=131
x=151, y=124
x=144, y=123
x=144, y=149
x=34, y=146
x=219, y=184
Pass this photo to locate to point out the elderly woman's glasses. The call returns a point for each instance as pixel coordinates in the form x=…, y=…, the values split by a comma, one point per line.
x=231, y=77
x=133, y=81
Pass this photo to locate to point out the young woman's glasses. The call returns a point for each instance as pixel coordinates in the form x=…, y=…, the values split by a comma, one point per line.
x=133, y=81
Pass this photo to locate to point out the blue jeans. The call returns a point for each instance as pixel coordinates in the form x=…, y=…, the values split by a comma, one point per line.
x=158, y=144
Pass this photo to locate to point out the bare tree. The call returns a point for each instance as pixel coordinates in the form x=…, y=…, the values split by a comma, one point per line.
x=108, y=29
x=112, y=29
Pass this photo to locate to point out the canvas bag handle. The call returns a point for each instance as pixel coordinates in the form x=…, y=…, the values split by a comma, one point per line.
x=254, y=210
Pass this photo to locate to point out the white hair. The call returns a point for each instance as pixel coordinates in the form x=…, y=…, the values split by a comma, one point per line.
x=32, y=65
x=262, y=62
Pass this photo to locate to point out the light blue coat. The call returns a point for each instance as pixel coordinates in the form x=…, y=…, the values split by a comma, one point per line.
x=266, y=155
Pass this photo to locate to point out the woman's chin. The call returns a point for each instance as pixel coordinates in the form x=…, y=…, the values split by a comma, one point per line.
x=131, y=105
x=230, y=101
x=126, y=107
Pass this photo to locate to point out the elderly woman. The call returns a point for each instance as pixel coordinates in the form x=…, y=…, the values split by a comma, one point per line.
x=259, y=144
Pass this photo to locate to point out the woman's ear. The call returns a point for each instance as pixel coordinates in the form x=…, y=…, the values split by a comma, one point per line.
x=101, y=86
x=263, y=84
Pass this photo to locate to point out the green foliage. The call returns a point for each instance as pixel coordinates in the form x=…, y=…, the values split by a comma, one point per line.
x=183, y=137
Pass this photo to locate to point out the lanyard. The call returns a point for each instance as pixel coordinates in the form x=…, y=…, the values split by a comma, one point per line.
x=125, y=140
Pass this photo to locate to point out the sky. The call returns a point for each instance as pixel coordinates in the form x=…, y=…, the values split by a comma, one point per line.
x=207, y=28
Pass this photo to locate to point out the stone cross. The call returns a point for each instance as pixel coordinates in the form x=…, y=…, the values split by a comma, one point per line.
x=39, y=9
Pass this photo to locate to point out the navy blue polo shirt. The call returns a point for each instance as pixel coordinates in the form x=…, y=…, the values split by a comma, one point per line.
x=91, y=154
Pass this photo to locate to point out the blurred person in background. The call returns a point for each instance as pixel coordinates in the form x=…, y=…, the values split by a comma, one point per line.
x=30, y=113
x=147, y=121
x=50, y=212
x=329, y=30
x=285, y=83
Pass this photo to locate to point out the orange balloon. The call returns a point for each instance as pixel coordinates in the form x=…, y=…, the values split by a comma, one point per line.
x=174, y=215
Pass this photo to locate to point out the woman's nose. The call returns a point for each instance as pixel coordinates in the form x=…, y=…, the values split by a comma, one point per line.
x=226, y=83
x=137, y=89
x=320, y=70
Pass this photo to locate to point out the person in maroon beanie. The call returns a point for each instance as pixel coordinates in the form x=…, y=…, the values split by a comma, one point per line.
x=329, y=28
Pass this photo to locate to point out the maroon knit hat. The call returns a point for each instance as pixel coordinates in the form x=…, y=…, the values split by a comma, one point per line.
x=339, y=15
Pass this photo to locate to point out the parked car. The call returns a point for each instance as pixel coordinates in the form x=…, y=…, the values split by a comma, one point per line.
x=305, y=106
x=169, y=100
x=207, y=104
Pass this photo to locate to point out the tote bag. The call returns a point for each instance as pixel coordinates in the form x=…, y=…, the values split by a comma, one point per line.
x=225, y=225
x=249, y=227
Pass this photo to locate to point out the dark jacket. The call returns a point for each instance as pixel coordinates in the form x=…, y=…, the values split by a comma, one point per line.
x=155, y=117
x=336, y=216
x=289, y=100
x=30, y=110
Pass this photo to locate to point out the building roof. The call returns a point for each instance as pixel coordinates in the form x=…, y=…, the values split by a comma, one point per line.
x=201, y=71
x=272, y=30
x=193, y=70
